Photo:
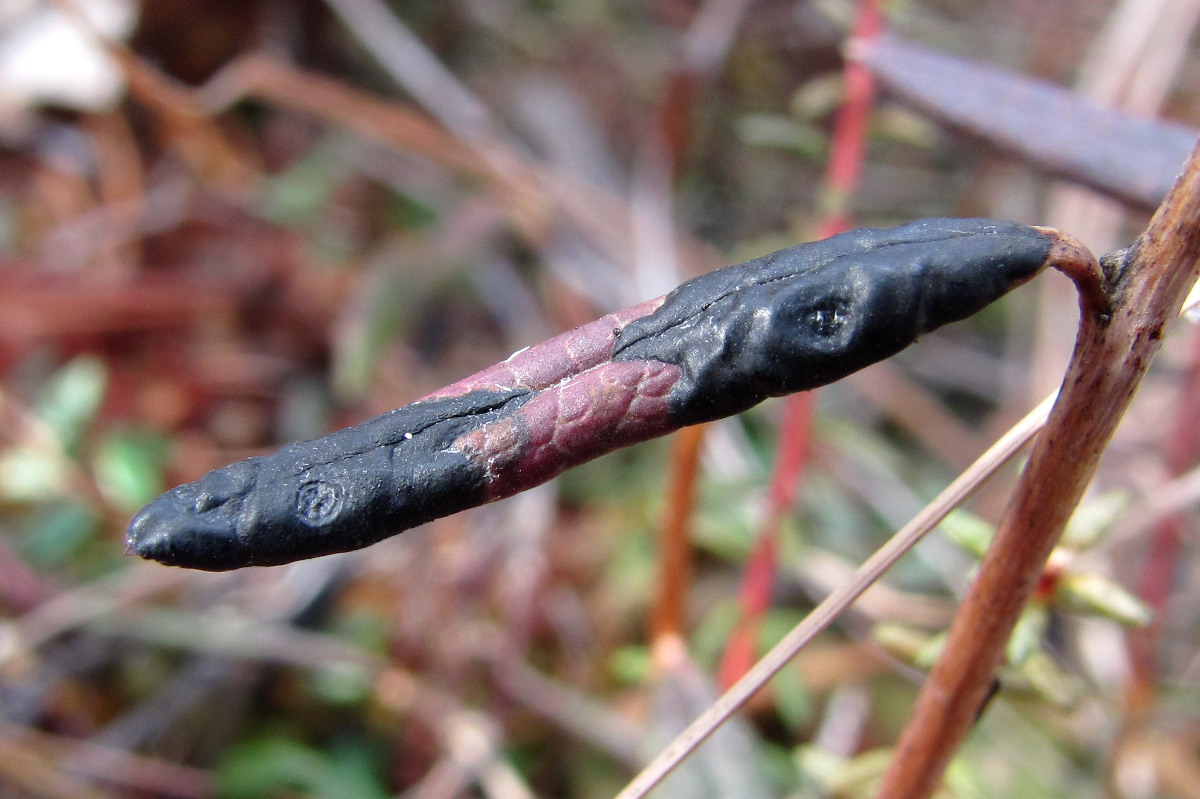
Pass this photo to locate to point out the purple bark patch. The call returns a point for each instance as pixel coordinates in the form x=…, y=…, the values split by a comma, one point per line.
x=554, y=359
x=605, y=408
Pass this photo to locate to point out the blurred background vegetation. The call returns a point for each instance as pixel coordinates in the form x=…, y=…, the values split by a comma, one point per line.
x=228, y=225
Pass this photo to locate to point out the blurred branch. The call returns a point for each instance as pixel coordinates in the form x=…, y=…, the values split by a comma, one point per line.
x=532, y=194
x=113, y=765
x=1124, y=156
x=571, y=710
x=415, y=68
x=758, y=575
x=705, y=46
x=710, y=35
x=25, y=770
x=469, y=739
x=81, y=605
x=385, y=122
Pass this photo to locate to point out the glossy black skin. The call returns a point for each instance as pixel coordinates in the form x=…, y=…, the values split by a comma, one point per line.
x=789, y=321
x=810, y=315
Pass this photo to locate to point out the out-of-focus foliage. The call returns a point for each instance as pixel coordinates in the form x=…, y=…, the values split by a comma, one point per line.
x=279, y=218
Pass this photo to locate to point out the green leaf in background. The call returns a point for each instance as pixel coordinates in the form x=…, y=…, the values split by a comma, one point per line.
x=38, y=469
x=300, y=195
x=1028, y=634
x=1097, y=595
x=366, y=629
x=407, y=212
x=57, y=533
x=276, y=765
x=631, y=665
x=11, y=227
x=817, y=768
x=341, y=683
x=1042, y=675
x=930, y=653
x=782, y=133
x=71, y=397
x=1093, y=520
x=859, y=777
x=374, y=319
x=265, y=765
x=32, y=474
x=724, y=528
x=818, y=98
x=969, y=531
x=711, y=634
x=353, y=770
x=128, y=468
x=793, y=702
x=906, y=644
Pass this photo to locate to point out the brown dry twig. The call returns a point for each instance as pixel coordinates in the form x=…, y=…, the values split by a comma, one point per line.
x=1146, y=287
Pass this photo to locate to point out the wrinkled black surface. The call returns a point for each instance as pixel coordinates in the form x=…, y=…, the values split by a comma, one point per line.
x=812, y=314
x=789, y=321
x=371, y=481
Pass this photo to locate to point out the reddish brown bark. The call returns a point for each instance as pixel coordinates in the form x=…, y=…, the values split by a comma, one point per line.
x=1113, y=351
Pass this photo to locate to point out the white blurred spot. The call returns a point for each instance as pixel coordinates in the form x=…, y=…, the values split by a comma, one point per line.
x=46, y=56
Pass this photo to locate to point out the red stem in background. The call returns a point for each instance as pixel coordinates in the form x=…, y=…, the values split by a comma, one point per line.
x=842, y=175
x=844, y=170
x=758, y=578
x=675, y=551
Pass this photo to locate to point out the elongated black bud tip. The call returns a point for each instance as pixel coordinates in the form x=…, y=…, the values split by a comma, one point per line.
x=158, y=533
x=807, y=316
